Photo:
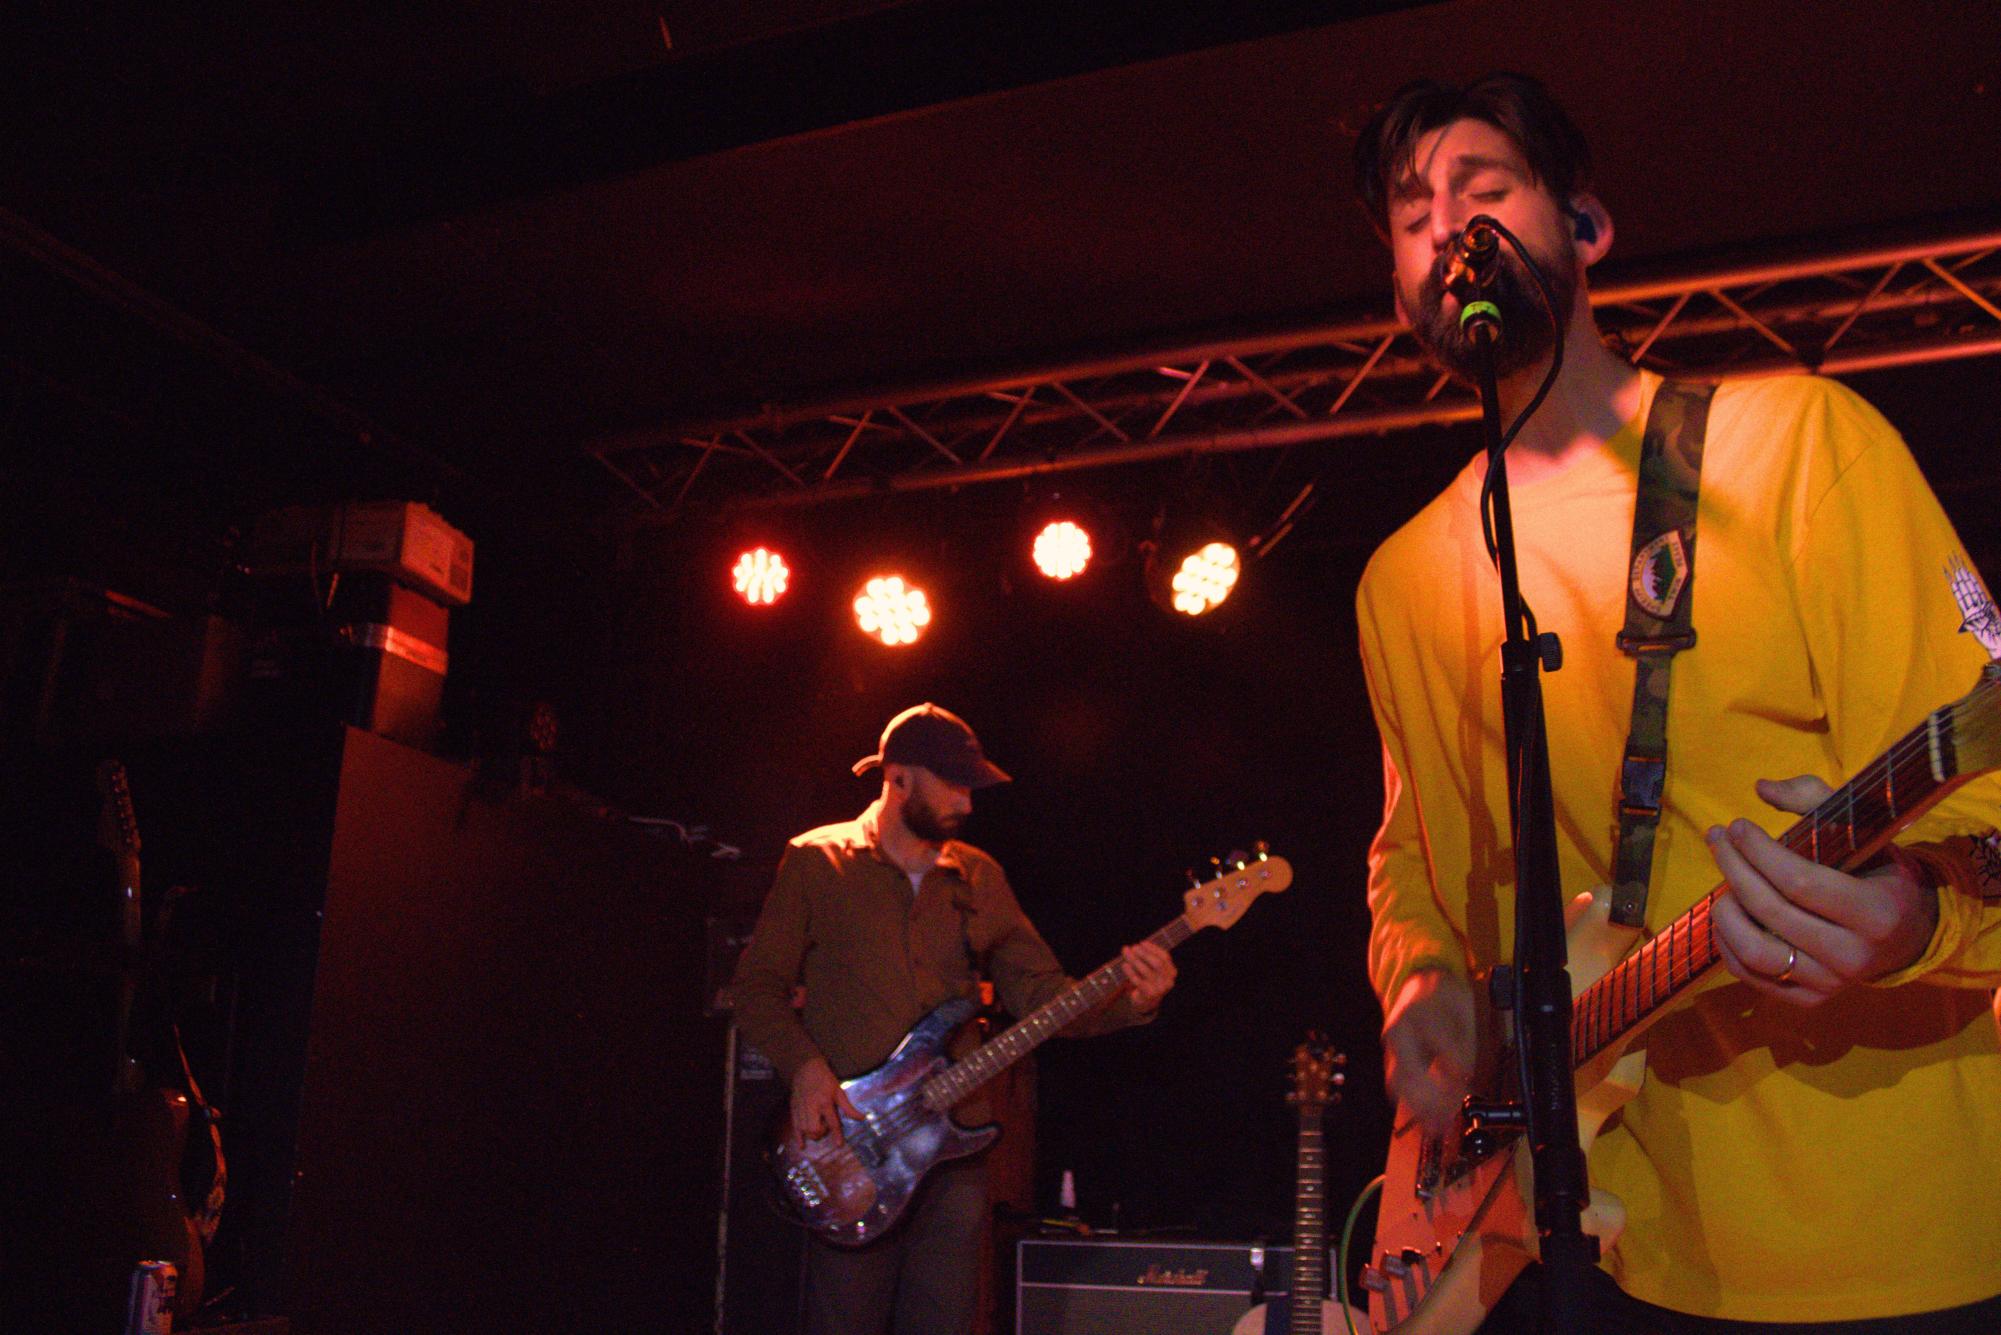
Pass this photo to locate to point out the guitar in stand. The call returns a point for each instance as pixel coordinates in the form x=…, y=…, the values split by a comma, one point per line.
x=853, y=1192
x=123, y=1155
x=1306, y=1309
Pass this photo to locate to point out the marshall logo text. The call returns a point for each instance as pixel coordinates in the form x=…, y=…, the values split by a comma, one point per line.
x=1169, y=1277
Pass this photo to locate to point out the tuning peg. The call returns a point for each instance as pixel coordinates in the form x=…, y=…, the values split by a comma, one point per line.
x=1194, y=881
x=1260, y=850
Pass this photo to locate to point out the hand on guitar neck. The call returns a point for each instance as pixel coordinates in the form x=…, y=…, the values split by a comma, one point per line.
x=1802, y=932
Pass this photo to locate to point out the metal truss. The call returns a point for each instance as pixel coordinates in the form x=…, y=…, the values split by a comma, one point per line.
x=1830, y=308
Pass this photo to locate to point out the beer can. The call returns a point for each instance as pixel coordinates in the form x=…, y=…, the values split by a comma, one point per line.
x=149, y=1306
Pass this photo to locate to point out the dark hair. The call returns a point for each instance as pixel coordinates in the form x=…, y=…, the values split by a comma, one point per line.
x=1515, y=104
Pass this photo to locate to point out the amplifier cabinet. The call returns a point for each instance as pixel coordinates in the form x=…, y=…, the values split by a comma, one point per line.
x=1104, y=1287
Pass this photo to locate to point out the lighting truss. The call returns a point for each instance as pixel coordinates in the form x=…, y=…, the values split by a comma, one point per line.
x=1827, y=307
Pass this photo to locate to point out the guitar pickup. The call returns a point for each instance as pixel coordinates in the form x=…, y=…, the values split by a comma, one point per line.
x=1430, y=1161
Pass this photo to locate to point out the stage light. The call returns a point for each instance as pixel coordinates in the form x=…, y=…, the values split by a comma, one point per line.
x=1062, y=550
x=892, y=611
x=1205, y=578
x=761, y=575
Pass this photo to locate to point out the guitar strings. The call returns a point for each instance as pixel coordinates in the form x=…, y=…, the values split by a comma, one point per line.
x=954, y=1083
x=1635, y=984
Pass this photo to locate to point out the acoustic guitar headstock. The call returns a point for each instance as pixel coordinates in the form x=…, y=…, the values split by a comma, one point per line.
x=1317, y=1074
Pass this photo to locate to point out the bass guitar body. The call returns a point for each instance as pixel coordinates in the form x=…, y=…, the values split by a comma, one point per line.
x=853, y=1192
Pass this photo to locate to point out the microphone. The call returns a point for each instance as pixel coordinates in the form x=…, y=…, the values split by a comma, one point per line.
x=1470, y=258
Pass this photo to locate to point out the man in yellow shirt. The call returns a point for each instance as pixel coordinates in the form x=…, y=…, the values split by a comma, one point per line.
x=1818, y=1139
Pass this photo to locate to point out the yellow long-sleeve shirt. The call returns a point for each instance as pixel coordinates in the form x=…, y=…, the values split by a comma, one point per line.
x=1778, y=1164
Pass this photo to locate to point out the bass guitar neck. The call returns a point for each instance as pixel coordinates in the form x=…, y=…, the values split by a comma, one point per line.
x=852, y=1188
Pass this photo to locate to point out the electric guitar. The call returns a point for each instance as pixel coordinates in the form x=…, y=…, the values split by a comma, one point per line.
x=853, y=1192
x=1307, y=1310
x=125, y=1158
x=1456, y=1225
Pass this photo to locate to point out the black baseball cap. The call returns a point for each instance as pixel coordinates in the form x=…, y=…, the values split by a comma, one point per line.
x=940, y=741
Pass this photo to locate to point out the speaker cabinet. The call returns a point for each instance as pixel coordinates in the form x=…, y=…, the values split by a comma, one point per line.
x=761, y=1268
x=1102, y=1287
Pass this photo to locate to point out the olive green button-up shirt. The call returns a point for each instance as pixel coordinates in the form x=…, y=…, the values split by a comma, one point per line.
x=876, y=957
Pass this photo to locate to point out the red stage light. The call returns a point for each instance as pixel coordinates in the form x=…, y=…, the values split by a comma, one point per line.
x=761, y=576
x=892, y=611
x=1205, y=578
x=1062, y=550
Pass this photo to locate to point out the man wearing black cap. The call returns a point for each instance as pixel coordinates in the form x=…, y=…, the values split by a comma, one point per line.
x=884, y=918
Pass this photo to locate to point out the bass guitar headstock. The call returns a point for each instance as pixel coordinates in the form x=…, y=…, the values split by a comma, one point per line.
x=1317, y=1076
x=1222, y=899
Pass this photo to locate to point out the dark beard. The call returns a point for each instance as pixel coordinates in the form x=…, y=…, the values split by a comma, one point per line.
x=924, y=821
x=1528, y=335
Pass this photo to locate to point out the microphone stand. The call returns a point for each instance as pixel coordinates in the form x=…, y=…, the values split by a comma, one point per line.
x=1541, y=981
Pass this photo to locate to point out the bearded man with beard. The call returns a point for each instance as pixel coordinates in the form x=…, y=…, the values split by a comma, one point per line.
x=884, y=918
x=1814, y=1146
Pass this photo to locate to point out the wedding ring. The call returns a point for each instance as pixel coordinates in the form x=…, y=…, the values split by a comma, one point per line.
x=1792, y=958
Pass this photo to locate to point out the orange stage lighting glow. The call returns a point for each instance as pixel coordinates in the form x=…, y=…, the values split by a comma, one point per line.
x=892, y=611
x=760, y=576
x=1205, y=579
x=1062, y=550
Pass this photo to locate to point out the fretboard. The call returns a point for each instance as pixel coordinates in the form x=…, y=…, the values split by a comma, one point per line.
x=1309, y=1226
x=955, y=1083
x=1849, y=828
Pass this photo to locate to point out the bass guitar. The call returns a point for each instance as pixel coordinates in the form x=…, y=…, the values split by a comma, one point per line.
x=852, y=1192
x=1456, y=1224
x=1306, y=1309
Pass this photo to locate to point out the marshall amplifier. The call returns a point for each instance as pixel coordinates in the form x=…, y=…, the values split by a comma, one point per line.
x=1094, y=1287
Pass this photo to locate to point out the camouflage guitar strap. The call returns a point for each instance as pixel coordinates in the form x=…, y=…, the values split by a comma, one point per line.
x=1660, y=598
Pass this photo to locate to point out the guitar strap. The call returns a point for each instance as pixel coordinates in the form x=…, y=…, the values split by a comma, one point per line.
x=1660, y=598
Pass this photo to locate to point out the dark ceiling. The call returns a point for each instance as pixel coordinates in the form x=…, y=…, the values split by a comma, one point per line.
x=495, y=234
